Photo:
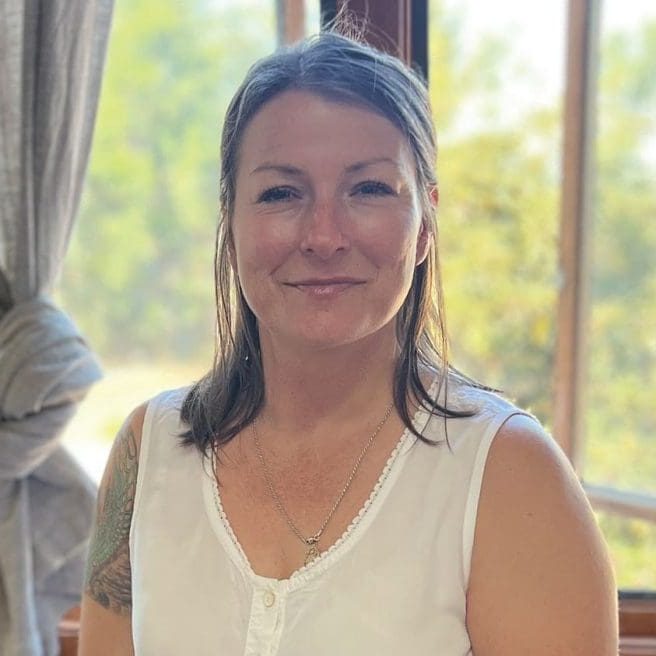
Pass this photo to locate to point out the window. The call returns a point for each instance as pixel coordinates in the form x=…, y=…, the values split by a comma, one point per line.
x=137, y=277
x=496, y=78
x=498, y=113
x=619, y=419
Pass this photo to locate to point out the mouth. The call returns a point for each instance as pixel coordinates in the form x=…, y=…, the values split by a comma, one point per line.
x=326, y=287
x=319, y=282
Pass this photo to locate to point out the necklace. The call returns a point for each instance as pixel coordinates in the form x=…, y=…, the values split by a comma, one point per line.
x=312, y=542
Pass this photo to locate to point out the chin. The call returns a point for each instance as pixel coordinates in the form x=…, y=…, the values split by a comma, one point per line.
x=320, y=342
x=330, y=337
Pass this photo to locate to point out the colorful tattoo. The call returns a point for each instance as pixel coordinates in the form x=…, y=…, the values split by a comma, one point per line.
x=108, y=577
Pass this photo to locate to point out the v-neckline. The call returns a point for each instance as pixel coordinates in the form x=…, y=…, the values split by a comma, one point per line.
x=226, y=535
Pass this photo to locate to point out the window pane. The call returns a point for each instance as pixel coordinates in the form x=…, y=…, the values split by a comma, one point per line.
x=312, y=17
x=621, y=394
x=138, y=276
x=496, y=80
x=496, y=85
x=632, y=544
x=620, y=405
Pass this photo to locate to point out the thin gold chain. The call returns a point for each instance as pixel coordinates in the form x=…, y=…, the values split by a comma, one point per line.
x=313, y=540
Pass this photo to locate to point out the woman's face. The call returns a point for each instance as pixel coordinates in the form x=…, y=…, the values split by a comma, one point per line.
x=327, y=227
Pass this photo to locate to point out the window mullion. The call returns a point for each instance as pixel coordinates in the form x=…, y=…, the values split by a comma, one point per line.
x=576, y=207
x=290, y=21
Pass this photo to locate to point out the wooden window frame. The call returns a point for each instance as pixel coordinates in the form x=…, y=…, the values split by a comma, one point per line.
x=580, y=117
x=399, y=27
x=290, y=21
x=577, y=182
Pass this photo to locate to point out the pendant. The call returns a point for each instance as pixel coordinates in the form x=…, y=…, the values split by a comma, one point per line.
x=313, y=551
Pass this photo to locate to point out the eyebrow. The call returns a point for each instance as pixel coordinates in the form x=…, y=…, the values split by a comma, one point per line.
x=358, y=166
x=293, y=171
x=280, y=168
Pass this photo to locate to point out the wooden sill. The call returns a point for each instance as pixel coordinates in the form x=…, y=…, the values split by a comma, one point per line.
x=637, y=610
x=637, y=616
x=637, y=646
x=69, y=629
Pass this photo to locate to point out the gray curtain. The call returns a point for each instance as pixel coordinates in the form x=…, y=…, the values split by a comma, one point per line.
x=51, y=60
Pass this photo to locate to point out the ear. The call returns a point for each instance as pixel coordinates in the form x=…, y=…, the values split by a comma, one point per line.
x=434, y=195
x=423, y=243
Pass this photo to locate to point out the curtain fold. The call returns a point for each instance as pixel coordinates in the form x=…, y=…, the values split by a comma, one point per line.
x=51, y=60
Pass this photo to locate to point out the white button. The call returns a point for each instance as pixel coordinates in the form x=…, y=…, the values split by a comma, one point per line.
x=269, y=599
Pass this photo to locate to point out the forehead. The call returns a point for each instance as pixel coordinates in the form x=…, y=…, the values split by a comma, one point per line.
x=303, y=126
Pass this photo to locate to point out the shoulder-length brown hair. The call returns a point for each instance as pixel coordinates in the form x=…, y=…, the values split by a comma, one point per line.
x=337, y=68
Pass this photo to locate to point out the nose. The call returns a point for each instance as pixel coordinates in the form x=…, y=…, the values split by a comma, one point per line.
x=323, y=230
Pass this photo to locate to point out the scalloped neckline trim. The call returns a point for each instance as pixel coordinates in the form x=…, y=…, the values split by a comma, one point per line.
x=330, y=555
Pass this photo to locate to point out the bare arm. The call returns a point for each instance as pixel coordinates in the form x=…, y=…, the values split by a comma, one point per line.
x=105, y=625
x=542, y=582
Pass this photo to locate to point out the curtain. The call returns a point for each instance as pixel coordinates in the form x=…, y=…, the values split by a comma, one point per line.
x=51, y=61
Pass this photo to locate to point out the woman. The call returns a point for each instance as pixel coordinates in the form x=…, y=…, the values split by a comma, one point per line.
x=332, y=486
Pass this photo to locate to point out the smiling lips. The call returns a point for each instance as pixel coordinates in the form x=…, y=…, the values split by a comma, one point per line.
x=326, y=287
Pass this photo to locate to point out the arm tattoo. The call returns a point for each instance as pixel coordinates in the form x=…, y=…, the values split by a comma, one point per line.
x=108, y=577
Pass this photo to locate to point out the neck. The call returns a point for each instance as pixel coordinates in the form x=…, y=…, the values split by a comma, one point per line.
x=307, y=390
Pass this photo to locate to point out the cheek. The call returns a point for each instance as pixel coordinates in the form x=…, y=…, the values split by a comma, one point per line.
x=262, y=245
x=392, y=246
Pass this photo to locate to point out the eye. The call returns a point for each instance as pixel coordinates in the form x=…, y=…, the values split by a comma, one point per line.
x=277, y=194
x=373, y=188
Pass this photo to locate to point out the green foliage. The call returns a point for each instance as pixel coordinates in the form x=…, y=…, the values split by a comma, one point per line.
x=632, y=545
x=498, y=219
x=138, y=276
x=622, y=372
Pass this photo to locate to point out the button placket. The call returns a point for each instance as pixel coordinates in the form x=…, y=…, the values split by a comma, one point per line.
x=269, y=598
x=267, y=619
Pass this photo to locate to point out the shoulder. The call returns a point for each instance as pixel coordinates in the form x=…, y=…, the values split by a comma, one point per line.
x=107, y=577
x=134, y=423
x=105, y=625
x=168, y=401
x=127, y=443
x=107, y=598
x=541, y=579
x=477, y=402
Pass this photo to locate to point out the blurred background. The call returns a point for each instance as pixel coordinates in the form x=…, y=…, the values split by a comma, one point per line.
x=138, y=276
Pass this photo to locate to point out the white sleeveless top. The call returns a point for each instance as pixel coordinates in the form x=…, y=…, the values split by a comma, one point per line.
x=394, y=583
